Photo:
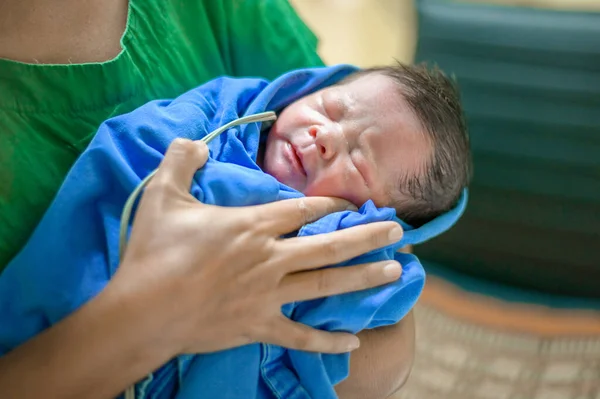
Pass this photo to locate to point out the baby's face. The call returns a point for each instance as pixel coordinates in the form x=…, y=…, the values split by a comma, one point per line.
x=351, y=141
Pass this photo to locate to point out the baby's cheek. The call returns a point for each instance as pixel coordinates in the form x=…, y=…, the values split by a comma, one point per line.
x=316, y=190
x=337, y=188
x=322, y=185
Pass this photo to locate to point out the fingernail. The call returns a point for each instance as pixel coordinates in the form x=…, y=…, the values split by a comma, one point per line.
x=354, y=344
x=392, y=270
x=351, y=207
x=396, y=234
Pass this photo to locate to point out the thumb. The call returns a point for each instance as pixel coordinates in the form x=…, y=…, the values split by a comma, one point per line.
x=183, y=159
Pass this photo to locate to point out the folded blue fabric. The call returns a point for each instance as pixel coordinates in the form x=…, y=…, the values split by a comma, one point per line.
x=73, y=253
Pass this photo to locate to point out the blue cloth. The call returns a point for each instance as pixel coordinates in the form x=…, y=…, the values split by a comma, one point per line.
x=73, y=253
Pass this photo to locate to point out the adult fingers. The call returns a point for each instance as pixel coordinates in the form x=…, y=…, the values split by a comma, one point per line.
x=289, y=334
x=182, y=160
x=282, y=217
x=321, y=283
x=311, y=252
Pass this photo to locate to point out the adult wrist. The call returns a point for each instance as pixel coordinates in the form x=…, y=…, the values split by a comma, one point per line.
x=142, y=327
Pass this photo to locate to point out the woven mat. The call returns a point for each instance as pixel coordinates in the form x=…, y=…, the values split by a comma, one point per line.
x=457, y=359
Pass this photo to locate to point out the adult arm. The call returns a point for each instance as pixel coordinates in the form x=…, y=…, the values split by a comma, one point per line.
x=382, y=364
x=239, y=270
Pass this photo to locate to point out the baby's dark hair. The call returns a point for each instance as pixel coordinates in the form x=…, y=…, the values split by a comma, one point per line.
x=435, y=100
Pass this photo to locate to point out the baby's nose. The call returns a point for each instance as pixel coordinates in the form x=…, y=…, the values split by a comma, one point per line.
x=325, y=141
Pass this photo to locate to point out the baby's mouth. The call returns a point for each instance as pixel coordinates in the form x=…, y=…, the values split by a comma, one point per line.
x=296, y=159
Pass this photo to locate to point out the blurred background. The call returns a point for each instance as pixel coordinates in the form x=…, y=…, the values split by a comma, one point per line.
x=511, y=308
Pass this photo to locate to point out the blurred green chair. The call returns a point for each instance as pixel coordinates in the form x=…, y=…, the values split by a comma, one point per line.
x=530, y=82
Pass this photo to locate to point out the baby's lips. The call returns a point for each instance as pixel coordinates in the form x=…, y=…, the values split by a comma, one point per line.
x=299, y=157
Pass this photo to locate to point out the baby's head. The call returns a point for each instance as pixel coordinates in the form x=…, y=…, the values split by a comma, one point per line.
x=393, y=134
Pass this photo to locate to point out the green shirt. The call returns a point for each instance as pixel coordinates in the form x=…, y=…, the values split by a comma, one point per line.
x=49, y=113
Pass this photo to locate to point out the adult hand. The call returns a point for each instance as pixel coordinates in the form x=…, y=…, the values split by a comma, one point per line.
x=216, y=278
x=197, y=278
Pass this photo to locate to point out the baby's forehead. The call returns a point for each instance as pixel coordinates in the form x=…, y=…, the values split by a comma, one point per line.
x=368, y=78
x=375, y=90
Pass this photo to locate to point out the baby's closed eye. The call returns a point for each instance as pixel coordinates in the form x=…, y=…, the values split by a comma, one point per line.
x=333, y=107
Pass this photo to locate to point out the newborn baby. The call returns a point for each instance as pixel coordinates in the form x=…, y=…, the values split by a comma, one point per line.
x=393, y=134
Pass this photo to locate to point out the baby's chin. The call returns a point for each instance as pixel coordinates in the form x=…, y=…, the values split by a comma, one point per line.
x=280, y=174
x=288, y=181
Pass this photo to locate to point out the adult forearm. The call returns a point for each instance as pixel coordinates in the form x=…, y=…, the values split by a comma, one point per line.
x=95, y=353
x=383, y=362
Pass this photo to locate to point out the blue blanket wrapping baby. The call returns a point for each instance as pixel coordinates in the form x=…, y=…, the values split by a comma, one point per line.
x=73, y=253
